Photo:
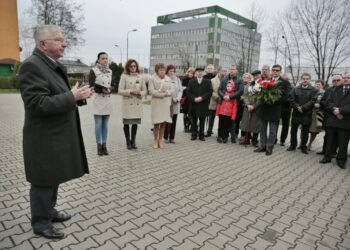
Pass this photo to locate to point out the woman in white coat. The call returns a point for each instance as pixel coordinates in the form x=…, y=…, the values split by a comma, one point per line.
x=170, y=129
x=133, y=88
x=161, y=90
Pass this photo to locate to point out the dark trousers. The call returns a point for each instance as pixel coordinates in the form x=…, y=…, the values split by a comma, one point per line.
x=169, y=132
x=225, y=124
x=304, y=135
x=211, y=116
x=42, y=206
x=267, y=140
x=195, y=126
x=342, y=136
x=325, y=142
x=285, y=117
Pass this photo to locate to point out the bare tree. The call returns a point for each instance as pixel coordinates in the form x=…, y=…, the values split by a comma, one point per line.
x=324, y=28
x=244, y=44
x=64, y=13
x=274, y=39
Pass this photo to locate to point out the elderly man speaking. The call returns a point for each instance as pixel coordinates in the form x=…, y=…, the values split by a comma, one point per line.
x=53, y=147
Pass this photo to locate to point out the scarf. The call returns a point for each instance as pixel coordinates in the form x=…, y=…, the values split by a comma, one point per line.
x=103, y=69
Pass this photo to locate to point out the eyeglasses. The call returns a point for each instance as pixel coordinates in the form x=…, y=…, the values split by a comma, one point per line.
x=276, y=70
x=336, y=80
x=132, y=66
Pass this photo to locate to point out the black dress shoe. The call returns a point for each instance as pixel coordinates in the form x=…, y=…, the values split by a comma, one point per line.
x=224, y=140
x=208, y=134
x=233, y=140
x=320, y=153
x=259, y=150
x=304, y=151
x=51, y=233
x=268, y=151
x=219, y=140
x=201, y=138
x=325, y=160
x=341, y=164
x=193, y=138
x=291, y=148
x=60, y=217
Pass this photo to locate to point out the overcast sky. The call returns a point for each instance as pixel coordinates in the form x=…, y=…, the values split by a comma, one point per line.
x=108, y=21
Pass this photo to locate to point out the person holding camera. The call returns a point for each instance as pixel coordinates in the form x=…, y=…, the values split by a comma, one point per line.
x=101, y=79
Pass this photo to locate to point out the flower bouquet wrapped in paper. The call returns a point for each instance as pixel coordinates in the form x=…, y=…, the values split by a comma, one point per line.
x=265, y=92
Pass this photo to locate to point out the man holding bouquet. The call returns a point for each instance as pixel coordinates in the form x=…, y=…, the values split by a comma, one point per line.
x=271, y=112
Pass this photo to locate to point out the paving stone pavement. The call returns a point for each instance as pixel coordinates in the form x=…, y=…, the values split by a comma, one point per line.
x=190, y=195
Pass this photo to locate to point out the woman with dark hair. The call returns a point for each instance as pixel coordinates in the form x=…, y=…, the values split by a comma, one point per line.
x=132, y=87
x=101, y=79
x=169, y=133
x=184, y=101
x=161, y=89
x=317, y=115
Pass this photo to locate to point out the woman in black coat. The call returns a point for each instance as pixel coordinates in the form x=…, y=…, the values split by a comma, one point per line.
x=184, y=100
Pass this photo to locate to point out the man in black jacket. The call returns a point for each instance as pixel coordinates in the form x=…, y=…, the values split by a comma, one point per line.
x=302, y=100
x=271, y=114
x=199, y=92
x=53, y=146
x=239, y=88
x=338, y=123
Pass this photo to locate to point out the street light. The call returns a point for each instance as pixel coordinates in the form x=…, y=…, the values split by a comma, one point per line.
x=121, y=57
x=127, y=43
x=285, y=53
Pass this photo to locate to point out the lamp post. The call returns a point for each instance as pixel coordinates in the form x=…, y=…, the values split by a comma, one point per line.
x=127, y=42
x=121, y=57
x=285, y=53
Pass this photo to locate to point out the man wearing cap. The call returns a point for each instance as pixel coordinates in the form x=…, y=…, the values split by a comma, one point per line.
x=232, y=76
x=199, y=92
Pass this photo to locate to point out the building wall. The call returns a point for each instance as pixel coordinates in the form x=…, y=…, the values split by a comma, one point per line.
x=213, y=36
x=9, y=36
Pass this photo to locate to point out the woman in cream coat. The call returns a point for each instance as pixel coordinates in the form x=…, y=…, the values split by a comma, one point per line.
x=170, y=129
x=161, y=89
x=132, y=87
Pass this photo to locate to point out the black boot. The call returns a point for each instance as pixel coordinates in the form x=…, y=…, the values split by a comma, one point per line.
x=127, y=136
x=104, y=149
x=133, y=136
x=99, y=149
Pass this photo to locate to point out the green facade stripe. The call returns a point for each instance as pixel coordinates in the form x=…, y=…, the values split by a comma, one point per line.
x=166, y=19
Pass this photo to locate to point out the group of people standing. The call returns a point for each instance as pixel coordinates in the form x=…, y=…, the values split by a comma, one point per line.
x=203, y=97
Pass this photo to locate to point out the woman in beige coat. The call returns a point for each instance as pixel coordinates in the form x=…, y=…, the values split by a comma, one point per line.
x=161, y=90
x=132, y=87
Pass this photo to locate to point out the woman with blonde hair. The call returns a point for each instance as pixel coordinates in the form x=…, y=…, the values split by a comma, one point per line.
x=132, y=87
x=161, y=90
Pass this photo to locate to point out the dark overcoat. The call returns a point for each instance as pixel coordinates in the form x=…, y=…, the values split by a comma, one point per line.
x=53, y=147
x=272, y=112
x=304, y=98
x=337, y=99
x=205, y=90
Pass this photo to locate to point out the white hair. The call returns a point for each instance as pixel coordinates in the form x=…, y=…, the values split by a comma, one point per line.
x=43, y=31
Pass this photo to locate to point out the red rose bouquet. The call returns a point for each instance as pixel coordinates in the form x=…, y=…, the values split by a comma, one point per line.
x=265, y=92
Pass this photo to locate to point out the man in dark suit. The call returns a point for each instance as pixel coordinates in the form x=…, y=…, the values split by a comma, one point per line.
x=271, y=113
x=302, y=100
x=53, y=147
x=338, y=123
x=239, y=88
x=336, y=81
x=199, y=92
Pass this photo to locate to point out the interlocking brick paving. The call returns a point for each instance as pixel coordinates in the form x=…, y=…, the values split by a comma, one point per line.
x=190, y=195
